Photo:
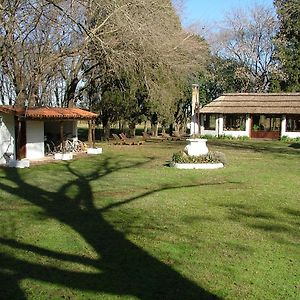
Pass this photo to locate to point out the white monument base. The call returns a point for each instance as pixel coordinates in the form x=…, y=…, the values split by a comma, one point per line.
x=63, y=156
x=196, y=147
x=94, y=150
x=203, y=166
x=23, y=163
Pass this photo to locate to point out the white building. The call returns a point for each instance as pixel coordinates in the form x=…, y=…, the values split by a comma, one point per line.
x=254, y=115
x=23, y=131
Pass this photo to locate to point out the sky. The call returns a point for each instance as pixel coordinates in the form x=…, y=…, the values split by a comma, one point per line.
x=212, y=11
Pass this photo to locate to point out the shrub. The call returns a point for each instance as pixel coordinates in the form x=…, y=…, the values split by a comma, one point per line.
x=211, y=157
x=225, y=137
x=289, y=139
x=229, y=137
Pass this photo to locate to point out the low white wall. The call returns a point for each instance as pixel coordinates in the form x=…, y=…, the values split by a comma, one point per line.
x=291, y=134
x=235, y=134
x=7, y=136
x=209, y=132
x=35, y=139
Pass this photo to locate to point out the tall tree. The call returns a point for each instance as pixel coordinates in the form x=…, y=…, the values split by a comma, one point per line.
x=221, y=76
x=288, y=42
x=142, y=42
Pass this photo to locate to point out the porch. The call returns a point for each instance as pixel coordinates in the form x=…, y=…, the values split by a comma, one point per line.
x=253, y=115
x=26, y=129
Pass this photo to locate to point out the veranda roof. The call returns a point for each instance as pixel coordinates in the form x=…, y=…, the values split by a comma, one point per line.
x=254, y=103
x=49, y=113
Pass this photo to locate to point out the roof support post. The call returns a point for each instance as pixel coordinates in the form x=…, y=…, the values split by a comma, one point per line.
x=18, y=144
x=62, y=135
x=93, y=132
x=283, y=126
x=90, y=134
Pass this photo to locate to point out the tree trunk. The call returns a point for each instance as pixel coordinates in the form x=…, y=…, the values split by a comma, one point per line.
x=145, y=127
x=171, y=129
x=90, y=135
x=70, y=92
x=154, y=129
x=154, y=125
x=132, y=129
x=106, y=130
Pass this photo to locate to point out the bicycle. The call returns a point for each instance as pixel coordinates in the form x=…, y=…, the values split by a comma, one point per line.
x=49, y=147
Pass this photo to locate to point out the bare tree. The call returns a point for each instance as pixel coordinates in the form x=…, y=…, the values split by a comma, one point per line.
x=52, y=50
x=153, y=51
x=138, y=37
x=35, y=42
x=247, y=37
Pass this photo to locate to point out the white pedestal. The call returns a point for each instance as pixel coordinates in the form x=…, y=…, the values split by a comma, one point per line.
x=94, y=150
x=203, y=166
x=196, y=147
x=63, y=156
x=23, y=163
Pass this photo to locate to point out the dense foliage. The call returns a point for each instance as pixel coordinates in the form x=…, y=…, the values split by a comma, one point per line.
x=288, y=42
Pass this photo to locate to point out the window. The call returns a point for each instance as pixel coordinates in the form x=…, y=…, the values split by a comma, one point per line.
x=266, y=123
x=293, y=123
x=234, y=122
x=210, y=121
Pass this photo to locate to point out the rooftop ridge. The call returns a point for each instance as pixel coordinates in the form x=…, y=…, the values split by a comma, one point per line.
x=261, y=94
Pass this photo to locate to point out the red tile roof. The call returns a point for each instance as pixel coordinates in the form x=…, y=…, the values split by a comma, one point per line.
x=40, y=113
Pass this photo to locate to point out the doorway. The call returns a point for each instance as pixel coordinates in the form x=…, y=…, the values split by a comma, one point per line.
x=20, y=134
x=265, y=126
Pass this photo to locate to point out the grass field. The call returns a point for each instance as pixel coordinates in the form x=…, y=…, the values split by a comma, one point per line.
x=123, y=225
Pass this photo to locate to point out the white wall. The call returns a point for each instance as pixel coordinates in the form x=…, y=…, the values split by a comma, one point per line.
x=291, y=134
x=7, y=136
x=235, y=134
x=35, y=139
x=209, y=132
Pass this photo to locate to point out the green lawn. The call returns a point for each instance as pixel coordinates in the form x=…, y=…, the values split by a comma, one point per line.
x=123, y=225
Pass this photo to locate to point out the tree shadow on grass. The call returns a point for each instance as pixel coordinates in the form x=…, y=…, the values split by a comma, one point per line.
x=121, y=269
x=282, y=224
x=295, y=145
